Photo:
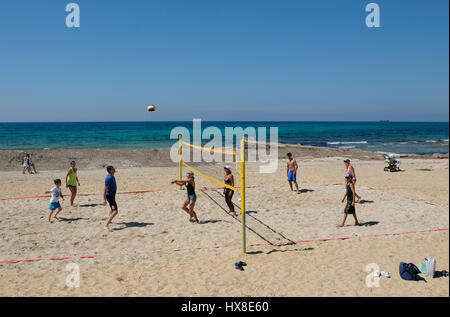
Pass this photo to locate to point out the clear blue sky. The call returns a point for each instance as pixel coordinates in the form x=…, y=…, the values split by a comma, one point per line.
x=224, y=60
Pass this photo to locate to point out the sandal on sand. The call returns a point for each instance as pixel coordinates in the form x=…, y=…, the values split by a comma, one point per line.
x=242, y=263
x=377, y=273
x=385, y=273
x=237, y=266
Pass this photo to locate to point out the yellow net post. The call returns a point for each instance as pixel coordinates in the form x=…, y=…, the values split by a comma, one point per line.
x=180, y=158
x=244, y=249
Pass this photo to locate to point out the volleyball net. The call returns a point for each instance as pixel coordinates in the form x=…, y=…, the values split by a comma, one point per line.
x=239, y=181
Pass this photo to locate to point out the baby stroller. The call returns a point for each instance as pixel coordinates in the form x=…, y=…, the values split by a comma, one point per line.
x=392, y=163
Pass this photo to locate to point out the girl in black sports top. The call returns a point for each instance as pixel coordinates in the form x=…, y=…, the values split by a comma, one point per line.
x=228, y=193
x=189, y=203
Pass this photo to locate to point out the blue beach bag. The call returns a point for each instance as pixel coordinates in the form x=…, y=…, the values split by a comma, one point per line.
x=409, y=272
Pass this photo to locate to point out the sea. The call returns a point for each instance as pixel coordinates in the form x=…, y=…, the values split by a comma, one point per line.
x=393, y=137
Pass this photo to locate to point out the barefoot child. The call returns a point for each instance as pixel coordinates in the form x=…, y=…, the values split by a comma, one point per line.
x=109, y=195
x=291, y=171
x=350, y=194
x=191, y=196
x=54, y=201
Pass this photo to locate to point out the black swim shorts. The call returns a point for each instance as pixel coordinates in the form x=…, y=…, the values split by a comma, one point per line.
x=112, y=202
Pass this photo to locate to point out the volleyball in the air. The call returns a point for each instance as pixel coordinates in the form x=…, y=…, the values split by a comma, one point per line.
x=151, y=108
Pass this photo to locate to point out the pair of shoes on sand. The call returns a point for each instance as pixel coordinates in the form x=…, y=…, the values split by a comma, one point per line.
x=240, y=265
x=382, y=273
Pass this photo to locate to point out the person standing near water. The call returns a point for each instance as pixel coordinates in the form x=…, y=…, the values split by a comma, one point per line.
x=26, y=164
x=291, y=171
x=32, y=163
x=72, y=181
x=350, y=172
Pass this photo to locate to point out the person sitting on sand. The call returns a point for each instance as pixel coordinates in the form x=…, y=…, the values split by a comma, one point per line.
x=350, y=171
x=109, y=195
x=228, y=193
x=26, y=164
x=291, y=171
x=350, y=194
x=191, y=196
x=72, y=181
x=54, y=201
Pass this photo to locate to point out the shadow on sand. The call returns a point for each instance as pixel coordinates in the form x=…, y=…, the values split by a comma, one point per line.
x=71, y=219
x=132, y=225
x=202, y=222
x=90, y=205
x=368, y=223
x=365, y=201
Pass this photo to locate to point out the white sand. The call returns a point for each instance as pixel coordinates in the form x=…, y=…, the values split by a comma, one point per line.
x=133, y=264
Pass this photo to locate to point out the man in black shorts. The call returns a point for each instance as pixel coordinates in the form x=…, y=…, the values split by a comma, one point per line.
x=109, y=195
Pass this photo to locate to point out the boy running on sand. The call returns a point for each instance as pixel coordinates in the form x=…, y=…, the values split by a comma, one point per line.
x=291, y=171
x=191, y=196
x=350, y=194
x=109, y=195
x=54, y=201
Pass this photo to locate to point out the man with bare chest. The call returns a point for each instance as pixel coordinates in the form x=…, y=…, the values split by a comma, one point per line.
x=291, y=171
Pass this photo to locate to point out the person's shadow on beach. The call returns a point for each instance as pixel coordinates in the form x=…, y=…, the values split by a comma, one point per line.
x=306, y=190
x=71, y=219
x=132, y=225
x=368, y=223
x=365, y=201
x=202, y=222
x=89, y=205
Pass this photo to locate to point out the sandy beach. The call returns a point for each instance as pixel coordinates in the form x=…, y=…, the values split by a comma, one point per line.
x=154, y=251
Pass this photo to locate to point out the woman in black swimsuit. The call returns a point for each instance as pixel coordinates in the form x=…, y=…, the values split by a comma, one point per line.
x=228, y=193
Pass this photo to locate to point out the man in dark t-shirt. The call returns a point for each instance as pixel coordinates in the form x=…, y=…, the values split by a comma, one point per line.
x=109, y=195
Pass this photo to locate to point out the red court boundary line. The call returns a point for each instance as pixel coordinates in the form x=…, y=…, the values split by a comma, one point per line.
x=215, y=247
x=121, y=193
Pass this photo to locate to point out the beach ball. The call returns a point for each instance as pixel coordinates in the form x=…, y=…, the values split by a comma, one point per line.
x=151, y=108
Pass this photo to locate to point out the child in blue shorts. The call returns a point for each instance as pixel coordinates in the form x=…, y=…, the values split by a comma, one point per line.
x=54, y=201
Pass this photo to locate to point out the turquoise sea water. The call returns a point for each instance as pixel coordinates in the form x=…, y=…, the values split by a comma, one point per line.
x=399, y=137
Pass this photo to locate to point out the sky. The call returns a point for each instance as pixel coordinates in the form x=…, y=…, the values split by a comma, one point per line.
x=226, y=60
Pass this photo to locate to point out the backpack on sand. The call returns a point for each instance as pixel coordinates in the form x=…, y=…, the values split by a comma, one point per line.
x=409, y=272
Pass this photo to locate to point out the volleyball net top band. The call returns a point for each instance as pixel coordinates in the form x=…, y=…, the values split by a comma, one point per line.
x=211, y=150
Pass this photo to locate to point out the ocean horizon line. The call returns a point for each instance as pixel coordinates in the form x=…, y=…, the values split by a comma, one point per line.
x=281, y=121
